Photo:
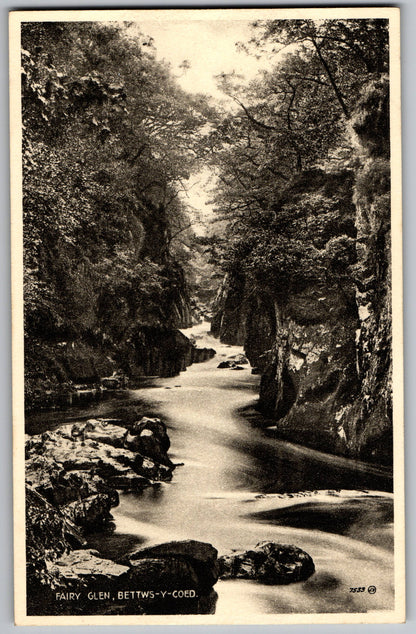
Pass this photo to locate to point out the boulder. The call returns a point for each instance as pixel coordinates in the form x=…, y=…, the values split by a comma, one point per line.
x=199, y=355
x=117, y=381
x=105, y=432
x=201, y=556
x=152, y=470
x=226, y=364
x=240, y=359
x=189, y=548
x=58, y=486
x=148, y=445
x=91, y=512
x=77, y=461
x=85, y=567
x=268, y=563
x=230, y=364
x=167, y=573
x=156, y=426
x=80, y=453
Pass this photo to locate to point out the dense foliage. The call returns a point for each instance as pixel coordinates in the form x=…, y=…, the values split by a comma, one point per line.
x=291, y=134
x=109, y=140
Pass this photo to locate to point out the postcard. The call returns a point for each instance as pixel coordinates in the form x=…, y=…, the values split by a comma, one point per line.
x=207, y=316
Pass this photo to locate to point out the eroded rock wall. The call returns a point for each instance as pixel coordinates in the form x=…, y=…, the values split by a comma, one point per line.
x=324, y=348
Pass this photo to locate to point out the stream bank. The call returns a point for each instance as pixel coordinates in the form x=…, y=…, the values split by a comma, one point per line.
x=239, y=485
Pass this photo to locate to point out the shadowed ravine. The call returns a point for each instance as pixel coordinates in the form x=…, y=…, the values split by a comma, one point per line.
x=239, y=486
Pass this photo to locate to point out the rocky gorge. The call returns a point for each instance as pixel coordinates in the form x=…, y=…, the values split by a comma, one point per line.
x=75, y=373
x=321, y=336
x=207, y=325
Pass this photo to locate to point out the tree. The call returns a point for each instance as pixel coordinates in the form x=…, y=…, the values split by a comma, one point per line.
x=285, y=158
x=109, y=142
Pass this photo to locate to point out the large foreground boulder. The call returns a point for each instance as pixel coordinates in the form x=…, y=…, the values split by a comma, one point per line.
x=268, y=563
x=200, y=559
x=170, y=578
x=79, y=468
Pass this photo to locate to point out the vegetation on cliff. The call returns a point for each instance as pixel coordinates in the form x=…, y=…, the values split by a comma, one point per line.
x=108, y=141
x=304, y=190
x=302, y=237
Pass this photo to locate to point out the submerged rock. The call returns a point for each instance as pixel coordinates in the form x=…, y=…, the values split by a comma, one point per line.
x=268, y=563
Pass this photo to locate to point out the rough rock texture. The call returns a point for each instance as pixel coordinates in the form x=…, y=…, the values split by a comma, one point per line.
x=163, y=352
x=86, y=566
x=91, y=512
x=170, y=578
x=268, y=563
x=84, y=460
x=73, y=474
x=369, y=424
x=228, y=321
x=323, y=347
x=76, y=373
x=201, y=557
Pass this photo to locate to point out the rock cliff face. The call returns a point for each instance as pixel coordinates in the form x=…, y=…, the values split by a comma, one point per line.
x=324, y=347
x=76, y=372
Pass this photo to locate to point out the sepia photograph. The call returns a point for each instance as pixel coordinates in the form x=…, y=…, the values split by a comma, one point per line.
x=207, y=316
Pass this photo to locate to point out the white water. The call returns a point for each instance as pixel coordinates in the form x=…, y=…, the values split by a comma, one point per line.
x=229, y=465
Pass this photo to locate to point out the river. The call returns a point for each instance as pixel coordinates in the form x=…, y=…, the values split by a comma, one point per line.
x=239, y=485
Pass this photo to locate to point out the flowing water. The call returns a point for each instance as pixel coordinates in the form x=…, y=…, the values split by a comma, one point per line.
x=240, y=485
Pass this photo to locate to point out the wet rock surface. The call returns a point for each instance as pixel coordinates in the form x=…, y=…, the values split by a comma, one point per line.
x=201, y=558
x=268, y=563
x=73, y=475
x=231, y=365
x=85, y=565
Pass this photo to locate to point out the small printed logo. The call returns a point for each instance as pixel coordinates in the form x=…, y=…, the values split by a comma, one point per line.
x=371, y=589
